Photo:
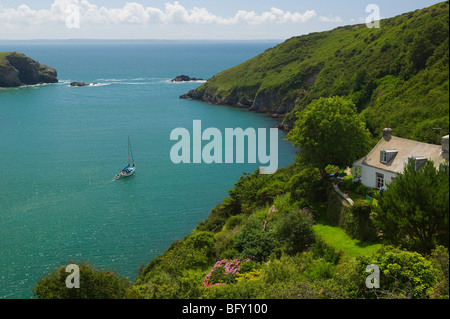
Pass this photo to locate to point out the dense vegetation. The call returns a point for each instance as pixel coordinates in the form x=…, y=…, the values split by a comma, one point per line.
x=264, y=244
x=396, y=74
x=289, y=235
x=274, y=228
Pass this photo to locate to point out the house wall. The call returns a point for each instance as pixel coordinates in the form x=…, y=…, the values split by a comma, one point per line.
x=369, y=176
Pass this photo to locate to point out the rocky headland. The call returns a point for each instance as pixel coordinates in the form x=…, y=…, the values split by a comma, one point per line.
x=17, y=69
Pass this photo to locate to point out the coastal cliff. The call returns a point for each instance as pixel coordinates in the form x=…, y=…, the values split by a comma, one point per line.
x=17, y=69
x=397, y=71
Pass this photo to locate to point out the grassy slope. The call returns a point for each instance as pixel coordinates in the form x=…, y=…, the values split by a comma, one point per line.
x=340, y=240
x=3, y=56
x=335, y=57
x=379, y=69
x=178, y=272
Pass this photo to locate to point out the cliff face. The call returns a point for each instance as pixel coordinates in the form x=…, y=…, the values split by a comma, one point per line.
x=16, y=69
x=265, y=102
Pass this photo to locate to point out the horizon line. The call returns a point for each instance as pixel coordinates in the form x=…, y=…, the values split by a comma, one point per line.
x=152, y=40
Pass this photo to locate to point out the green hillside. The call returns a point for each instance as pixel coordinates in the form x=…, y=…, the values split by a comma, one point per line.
x=396, y=74
x=289, y=235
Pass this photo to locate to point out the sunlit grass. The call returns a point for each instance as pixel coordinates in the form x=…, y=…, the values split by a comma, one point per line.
x=337, y=238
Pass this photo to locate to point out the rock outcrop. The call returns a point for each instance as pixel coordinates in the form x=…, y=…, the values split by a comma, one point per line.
x=185, y=78
x=16, y=69
x=81, y=84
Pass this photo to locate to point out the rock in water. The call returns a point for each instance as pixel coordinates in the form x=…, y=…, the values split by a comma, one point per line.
x=47, y=74
x=79, y=84
x=16, y=69
x=185, y=78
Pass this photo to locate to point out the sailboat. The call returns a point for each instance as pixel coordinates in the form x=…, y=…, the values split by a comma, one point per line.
x=129, y=169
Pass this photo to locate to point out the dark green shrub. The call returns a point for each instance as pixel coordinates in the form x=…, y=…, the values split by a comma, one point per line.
x=270, y=192
x=253, y=242
x=225, y=246
x=360, y=224
x=327, y=252
x=306, y=185
x=233, y=222
x=95, y=283
x=294, y=230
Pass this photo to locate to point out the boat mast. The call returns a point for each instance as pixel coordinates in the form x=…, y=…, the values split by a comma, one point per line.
x=128, y=158
x=130, y=151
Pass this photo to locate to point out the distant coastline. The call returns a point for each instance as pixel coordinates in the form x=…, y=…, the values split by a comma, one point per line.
x=131, y=41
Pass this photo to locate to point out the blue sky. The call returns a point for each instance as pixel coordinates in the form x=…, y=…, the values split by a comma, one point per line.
x=185, y=19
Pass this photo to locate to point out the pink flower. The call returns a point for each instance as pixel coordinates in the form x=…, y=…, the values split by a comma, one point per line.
x=229, y=267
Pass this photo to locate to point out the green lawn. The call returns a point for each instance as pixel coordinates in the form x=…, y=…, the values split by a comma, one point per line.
x=337, y=238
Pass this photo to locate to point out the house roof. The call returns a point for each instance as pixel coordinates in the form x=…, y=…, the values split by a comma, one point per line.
x=406, y=149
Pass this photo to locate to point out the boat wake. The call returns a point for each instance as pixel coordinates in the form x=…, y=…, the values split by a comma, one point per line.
x=133, y=81
x=99, y=84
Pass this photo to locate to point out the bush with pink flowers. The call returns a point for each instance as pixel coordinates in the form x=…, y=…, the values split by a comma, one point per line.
x=224, y=272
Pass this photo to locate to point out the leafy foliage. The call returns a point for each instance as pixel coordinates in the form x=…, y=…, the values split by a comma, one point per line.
x=329, y=131
x=415, y=208
x=95, y=283
x=294, y=230
x=440, y=261
x=256, y=243
x=293, y=258
x=403, y=274
x=362, y=226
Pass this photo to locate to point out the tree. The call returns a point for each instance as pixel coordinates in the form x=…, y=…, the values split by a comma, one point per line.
x=94, y=284
x=415, y=208
x=329, y=131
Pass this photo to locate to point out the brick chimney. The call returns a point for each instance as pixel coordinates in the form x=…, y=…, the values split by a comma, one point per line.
x=387, y=133
x=444, y=142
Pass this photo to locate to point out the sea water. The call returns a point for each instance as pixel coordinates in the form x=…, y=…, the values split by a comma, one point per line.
x=61, y=146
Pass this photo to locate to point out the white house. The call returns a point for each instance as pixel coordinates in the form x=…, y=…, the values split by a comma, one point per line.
x=391, y=155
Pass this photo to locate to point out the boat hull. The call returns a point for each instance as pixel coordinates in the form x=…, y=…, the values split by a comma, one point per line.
x=125, y=173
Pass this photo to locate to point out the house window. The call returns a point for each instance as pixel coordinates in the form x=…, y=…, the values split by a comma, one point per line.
x=383, y=157
x=380, y=180
x=387, y=155
x=356, y=173
x=417, y=161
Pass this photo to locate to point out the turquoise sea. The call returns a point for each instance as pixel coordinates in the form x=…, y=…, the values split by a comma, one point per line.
x=60, y=148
